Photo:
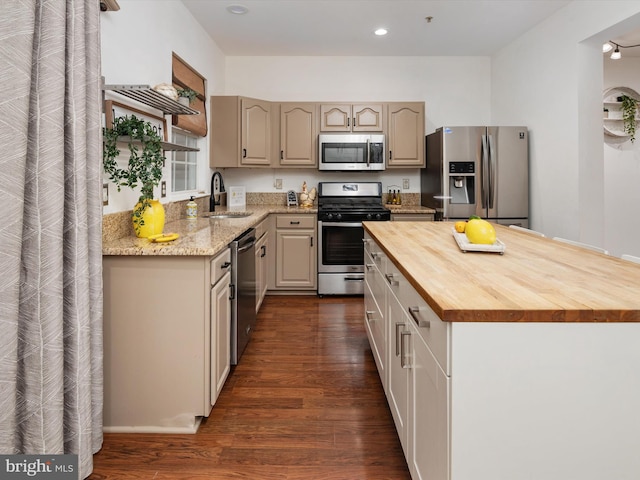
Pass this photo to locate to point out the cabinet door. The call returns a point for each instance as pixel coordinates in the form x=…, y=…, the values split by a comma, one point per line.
x=406, y=138
x=220, y=335
x=298, y=134
x=399, y=350
x=429, y=406
x=296, y=259
x=335, y=117
x=261, y=270
x=256, y=132
x=367, y=118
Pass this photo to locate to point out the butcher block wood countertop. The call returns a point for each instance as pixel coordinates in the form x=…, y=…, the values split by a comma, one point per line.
x=535, y=280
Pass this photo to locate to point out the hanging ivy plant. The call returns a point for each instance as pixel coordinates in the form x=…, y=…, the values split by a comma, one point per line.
x=629, y=109
x=146, y=158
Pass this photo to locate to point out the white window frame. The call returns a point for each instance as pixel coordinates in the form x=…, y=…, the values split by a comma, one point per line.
x=193, y=159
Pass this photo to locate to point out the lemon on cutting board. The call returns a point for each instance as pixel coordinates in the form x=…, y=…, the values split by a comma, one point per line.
x=480, y=231
x=460, y=226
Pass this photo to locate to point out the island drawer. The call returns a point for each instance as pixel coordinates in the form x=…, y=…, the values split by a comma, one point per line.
x=295, y=221
x=435, y=333
x=220, y=265
x=374, y=253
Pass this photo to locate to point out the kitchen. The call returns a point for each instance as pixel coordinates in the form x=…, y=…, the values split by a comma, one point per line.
x=517, y=71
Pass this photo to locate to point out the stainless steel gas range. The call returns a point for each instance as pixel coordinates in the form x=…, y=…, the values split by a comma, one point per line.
x=342, y=207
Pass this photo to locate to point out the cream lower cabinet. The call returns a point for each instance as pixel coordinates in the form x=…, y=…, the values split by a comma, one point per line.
x=262, y=262
x=296, y=252
x=416, y=385
x=160, y=338
x=374, y=295
x=220, y=322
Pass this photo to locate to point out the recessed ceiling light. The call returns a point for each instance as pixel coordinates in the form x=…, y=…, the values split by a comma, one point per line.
x=381, y=31
x=237, y=9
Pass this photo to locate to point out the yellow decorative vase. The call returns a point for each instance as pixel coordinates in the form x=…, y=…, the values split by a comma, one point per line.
x=151, y=222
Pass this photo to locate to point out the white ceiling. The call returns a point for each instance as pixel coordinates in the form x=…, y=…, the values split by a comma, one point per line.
x=345, y=27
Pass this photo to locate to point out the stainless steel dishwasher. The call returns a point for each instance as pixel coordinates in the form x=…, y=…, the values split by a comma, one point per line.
x=243, y=292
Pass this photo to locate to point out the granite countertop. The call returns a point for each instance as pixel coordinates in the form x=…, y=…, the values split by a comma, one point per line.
x=536, y=280
x=201, y=236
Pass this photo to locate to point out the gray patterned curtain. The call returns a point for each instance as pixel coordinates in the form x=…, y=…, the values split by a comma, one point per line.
x=50, y=229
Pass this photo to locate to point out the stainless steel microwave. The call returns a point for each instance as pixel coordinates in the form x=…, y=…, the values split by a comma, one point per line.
x=351, y=152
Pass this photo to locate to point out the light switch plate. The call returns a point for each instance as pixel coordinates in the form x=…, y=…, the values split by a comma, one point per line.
x=405, y=184
x=105, y=194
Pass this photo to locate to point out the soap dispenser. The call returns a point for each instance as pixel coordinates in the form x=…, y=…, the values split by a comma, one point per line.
x=192, y=209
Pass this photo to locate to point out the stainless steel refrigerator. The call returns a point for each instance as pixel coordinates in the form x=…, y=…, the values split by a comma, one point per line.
x=481, y=171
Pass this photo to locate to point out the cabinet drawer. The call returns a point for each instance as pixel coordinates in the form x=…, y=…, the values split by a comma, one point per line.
x=295, y=221
x=374, y=253
x=435, y=333
x=220, y=265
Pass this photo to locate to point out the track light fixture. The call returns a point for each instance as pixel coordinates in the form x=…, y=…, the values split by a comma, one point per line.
x=615, y=55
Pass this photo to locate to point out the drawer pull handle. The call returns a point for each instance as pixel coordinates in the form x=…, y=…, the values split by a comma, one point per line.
x=225, y=265
x=403, y=362
x=369, y=265
x=369, y=313
x=414, y=312
x=398, y=347
x=294, y=223
x=392, y=282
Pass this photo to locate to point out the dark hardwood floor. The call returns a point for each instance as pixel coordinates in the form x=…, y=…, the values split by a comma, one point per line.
x=305, y=402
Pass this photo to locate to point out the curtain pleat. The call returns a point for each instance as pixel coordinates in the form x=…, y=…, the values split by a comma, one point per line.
x=50, y=231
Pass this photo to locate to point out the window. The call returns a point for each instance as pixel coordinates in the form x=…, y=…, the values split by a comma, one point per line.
x=184, y=166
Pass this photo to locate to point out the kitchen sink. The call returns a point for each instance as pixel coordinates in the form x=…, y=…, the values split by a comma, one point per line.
x=227, y=214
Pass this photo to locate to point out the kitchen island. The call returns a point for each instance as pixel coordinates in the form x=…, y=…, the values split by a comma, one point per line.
x=516, y=366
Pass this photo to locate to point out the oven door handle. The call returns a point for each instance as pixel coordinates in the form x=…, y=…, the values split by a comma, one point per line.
x=341, y=224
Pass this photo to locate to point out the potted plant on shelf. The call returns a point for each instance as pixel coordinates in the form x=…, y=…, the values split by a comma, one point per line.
x=629, y=109
x=186, y=96
x=144, y=169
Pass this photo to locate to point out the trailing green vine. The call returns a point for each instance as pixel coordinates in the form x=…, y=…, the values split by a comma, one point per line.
x=629, y=109
x=144, y=168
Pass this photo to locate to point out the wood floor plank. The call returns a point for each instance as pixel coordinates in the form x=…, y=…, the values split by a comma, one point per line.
x=304, y=403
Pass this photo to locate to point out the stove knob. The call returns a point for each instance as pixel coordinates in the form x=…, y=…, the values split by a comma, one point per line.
x=329, y=216
x=369, y=216
x=378, y=216
x=338, y=216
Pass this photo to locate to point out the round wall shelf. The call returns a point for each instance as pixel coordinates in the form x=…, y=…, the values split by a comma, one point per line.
x=613, y=123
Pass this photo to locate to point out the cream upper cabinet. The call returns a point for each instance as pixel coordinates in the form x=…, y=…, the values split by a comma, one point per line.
x=405, y=135
x=351, y=117
x=241, y=132
x=298, y=134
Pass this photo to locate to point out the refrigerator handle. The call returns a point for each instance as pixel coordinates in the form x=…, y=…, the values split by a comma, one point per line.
x=492, y=171
x=484, y=174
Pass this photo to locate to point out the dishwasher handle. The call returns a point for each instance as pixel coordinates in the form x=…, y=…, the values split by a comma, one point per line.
x=247, y=246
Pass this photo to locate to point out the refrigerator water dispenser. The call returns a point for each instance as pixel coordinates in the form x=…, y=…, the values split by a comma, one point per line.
x=462, y=182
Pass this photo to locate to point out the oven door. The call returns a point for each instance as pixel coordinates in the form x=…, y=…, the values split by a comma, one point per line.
x=340, y=247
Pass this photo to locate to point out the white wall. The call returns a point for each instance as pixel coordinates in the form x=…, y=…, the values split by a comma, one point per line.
x=622, y=169
x=137, y=44
x=456, y=91
x=551, y=79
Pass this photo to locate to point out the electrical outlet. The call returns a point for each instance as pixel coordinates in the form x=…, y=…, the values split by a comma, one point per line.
x=163, y=189
x=405, y=184
x=278, y=183
x=105, y=194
